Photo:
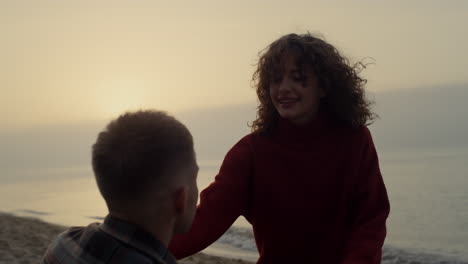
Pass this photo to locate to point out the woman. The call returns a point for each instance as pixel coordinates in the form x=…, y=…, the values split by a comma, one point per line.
x=307, y=178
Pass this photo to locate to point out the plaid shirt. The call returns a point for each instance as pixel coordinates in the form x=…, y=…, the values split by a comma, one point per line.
x=114, y=241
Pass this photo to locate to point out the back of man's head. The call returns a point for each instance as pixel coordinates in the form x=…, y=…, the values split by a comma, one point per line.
x=141, y=154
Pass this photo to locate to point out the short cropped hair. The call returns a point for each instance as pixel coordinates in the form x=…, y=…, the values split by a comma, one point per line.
x=136, y=152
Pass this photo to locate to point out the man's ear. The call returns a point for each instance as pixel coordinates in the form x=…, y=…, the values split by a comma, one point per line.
x=180, y=200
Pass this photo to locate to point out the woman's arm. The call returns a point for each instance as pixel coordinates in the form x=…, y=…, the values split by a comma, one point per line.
x=370, y=209
x=220, y=203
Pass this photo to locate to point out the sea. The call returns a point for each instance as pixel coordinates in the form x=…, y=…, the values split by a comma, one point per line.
x=428, y=192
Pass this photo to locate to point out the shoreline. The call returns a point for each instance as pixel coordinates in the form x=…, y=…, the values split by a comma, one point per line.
x=25, y=239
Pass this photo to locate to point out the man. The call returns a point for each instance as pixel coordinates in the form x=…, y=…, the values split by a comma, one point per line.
x=145, y=168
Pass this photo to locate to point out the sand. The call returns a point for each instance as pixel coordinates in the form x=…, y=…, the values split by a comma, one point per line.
x=24, y=240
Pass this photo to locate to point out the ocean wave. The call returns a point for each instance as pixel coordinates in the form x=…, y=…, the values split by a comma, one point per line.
x=393, y=255
x=239, y=237
x=243, y=239
x=33, y=212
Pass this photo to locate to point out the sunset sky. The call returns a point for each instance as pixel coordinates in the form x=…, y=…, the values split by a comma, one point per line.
x=72, y=61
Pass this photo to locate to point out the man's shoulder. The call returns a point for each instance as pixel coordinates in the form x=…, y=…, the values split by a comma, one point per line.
x=91, y=244
x=69, y=246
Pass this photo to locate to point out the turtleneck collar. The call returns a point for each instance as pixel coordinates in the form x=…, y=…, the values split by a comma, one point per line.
x=290, y=133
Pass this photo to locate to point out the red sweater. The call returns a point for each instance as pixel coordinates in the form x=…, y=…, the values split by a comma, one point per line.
x=312, y=194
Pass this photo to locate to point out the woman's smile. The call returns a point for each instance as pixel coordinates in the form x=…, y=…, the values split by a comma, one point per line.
x=296, y=96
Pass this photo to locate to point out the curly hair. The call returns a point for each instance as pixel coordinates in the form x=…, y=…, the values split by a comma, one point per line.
x=345, y=97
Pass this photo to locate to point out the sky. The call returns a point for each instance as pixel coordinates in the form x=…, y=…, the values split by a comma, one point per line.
x=66, y=62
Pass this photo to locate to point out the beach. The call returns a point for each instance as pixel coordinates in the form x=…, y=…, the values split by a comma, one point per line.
x=426, y=225
x=24, y=240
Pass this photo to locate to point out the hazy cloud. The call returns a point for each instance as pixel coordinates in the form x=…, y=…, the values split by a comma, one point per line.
x=430, y=118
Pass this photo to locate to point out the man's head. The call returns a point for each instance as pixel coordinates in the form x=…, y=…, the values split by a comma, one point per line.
x=145, y=164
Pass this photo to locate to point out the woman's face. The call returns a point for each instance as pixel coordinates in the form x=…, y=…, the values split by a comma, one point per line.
x=296, y=95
